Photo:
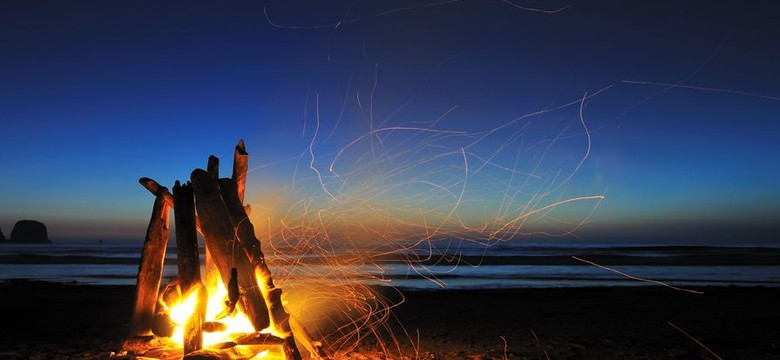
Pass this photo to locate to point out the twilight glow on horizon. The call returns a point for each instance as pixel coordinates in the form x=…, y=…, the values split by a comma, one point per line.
x=389, y=114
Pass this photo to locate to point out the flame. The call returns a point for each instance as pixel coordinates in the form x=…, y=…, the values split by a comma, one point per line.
x=405, y=195
x=179, y=314
x=238, y=322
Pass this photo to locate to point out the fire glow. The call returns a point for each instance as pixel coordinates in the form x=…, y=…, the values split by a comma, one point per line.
x=370, y=204
x=235, y=323
x=238, y=313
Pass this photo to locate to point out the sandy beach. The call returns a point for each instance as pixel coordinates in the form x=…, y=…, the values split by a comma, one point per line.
x=69, y=321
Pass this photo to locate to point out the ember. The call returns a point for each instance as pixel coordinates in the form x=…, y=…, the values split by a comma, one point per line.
x=191, y=319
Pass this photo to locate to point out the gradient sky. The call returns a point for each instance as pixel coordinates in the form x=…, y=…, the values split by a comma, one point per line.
x=95, y=94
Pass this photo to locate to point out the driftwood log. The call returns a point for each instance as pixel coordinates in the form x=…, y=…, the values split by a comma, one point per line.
x=222, y=345
x=188, y=263
x=234, y=353
x=240, y=165
x=246, y=235
x=152, y=258
x=245, y=232
x=304, y=337
x=213, y=326
x=213, y=167
x=231, y=247
x=141, y=344
x=225, y=251
x=257, y=339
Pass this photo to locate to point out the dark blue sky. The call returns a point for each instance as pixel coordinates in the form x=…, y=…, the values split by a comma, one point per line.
x=96, y=94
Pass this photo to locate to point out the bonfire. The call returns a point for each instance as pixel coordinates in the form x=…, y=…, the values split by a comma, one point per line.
x=234, y=311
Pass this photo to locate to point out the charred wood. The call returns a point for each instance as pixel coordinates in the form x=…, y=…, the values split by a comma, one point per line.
x=188, y=263
x=152, y=257
x=225, y=251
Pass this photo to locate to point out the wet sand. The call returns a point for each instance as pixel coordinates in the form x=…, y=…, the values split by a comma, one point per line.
x=62, y=321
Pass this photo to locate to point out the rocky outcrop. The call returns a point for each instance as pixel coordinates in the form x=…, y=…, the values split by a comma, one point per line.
x=29, y=231
x=2, y=236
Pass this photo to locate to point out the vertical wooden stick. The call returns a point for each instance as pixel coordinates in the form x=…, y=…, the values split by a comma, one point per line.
x=188, y=263
x=152, y=259
x=246, y=235
x=213, y=167
x=225, y=250
x=304, y=337
x=281, y=320
x=240, y=164
x=245, y=231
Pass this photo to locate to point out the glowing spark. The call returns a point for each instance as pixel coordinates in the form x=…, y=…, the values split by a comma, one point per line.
x=539, y=343
x=341, y=23
x=727, y=91
x=393, y=128
x=311, y=151
x=529, y=213
x=402, y=187
x=505, y=347
x=694, y=339
x=460, y=196
x=536, y=9
x=538, y=113
x=635, y=277
x=355, y=19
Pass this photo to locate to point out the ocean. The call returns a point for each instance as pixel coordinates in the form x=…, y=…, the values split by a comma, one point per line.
x=467, y=265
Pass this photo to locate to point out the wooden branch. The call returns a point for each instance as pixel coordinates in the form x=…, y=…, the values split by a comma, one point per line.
x=281, y=320
x=162, y=324
x=154, y=188
x=163, y=353
x=188, y=263
x=213, y=167
x=171, y=293
x=257, y=339
x=245, y=231
x=234, y=353
x=246, y=235
x=152, y=258
x=186, y=237
x=304, y=337
x=222, y=345
x=240, y=164
x=141, y=344
x=218, y=230
x=151, y=347
x=213, y=326
x=150, y=185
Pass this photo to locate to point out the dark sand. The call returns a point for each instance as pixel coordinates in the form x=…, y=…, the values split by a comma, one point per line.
x=56, y=321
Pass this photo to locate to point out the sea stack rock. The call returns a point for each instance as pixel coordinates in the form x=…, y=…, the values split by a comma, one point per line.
x=29, y=231
x=2, y=236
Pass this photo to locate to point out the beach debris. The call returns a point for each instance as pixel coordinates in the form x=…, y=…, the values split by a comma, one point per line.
x=257, y=339
x=141, y=344
x=162, y=324
x=152, y=258
x=234, y=353
x=222, y=345
x=188, y=266
x=235, y=268
x=171, y=294
x=213, y=326
x=233, y=292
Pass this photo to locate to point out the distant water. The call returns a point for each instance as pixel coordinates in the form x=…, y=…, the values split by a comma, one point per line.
x=506, y=265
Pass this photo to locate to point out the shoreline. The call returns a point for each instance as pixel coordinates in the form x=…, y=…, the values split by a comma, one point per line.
x=767, y=257
x=70, y=321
